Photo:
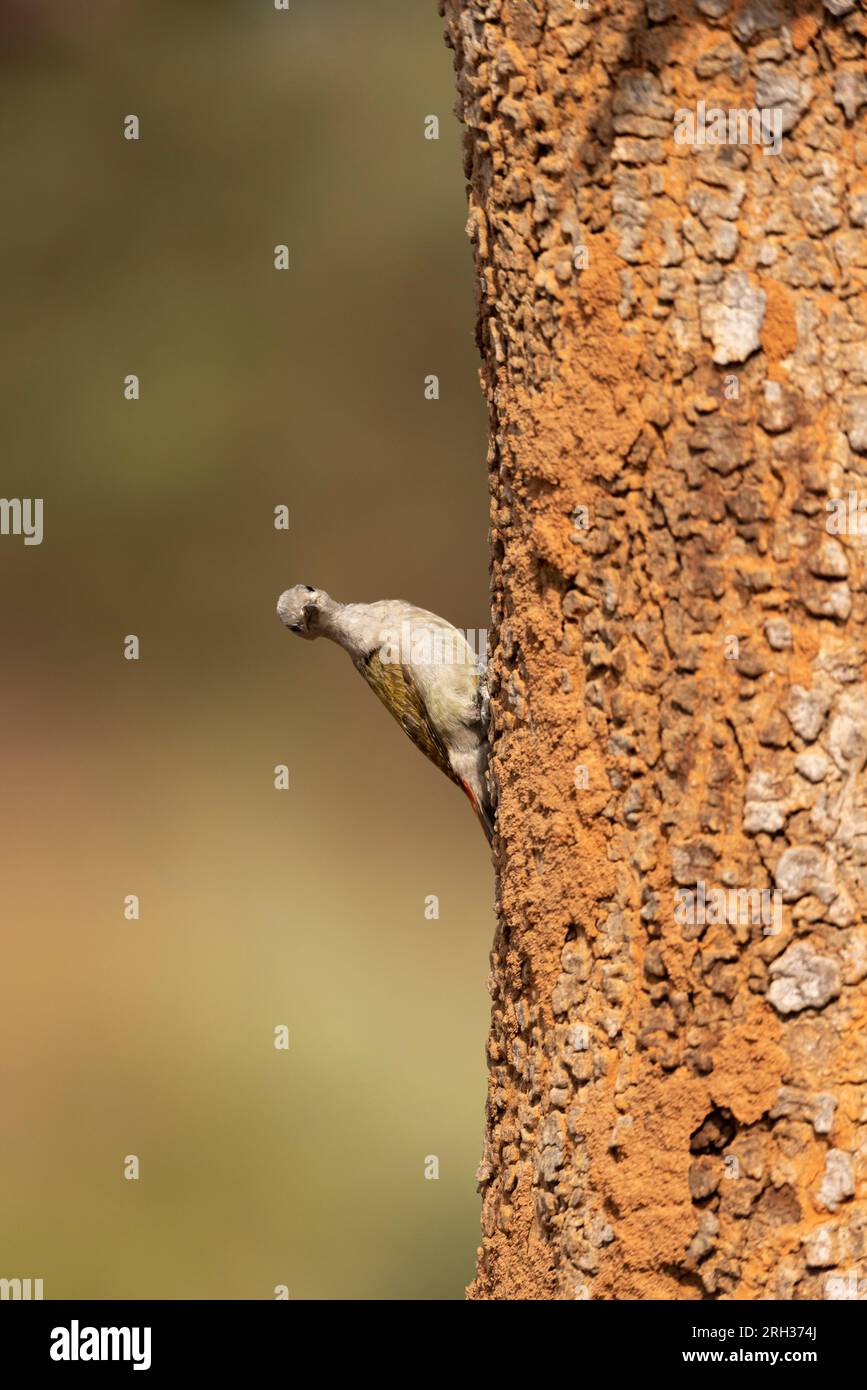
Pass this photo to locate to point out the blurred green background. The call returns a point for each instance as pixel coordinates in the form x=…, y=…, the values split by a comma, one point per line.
x=259, y=907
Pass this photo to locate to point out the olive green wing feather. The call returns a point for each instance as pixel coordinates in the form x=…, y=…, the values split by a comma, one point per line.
x=395, y=685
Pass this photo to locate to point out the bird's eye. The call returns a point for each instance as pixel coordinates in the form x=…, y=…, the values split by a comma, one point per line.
x=295, y=627
x=309, y=587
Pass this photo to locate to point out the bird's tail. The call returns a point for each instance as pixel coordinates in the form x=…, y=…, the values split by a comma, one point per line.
x=482, y=810
x=487, y=822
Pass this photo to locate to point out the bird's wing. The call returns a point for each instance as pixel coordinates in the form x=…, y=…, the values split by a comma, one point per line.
x=395, y=685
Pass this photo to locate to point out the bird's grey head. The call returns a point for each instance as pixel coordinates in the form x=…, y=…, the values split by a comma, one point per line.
x=300, y=608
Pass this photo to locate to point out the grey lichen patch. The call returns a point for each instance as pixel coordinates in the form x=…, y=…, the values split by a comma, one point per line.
x=838, y=1180
x=806, y=710
x=781, y=408
x=817, y=1107
x=784, y=91
x=767, y=801
x=855, y=422
x=829, y=561
x=850, y=92
x=802, y=979
x=779, y=634
x=812, y=764
x=847, y=739
x=732, y=314
x=821, y=1248
x=804, y=870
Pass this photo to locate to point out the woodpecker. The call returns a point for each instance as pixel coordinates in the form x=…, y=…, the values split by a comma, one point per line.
x=422, y=669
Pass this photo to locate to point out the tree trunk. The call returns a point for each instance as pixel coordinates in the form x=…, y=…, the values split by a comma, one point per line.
x=674, y=357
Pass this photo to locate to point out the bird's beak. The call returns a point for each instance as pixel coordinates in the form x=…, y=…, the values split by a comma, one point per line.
x=284, y=609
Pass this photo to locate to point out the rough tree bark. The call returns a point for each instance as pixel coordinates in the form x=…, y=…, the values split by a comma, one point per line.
x=674, y=338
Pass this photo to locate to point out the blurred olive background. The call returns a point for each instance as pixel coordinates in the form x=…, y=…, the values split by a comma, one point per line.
x=258, y=907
